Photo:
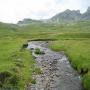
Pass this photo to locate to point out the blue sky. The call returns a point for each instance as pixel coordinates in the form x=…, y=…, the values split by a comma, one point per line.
x=12, y=11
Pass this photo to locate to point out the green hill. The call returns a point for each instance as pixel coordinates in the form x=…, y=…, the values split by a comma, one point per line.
x=17, y=64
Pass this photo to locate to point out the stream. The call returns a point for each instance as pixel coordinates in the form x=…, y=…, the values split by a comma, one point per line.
x=57, y=73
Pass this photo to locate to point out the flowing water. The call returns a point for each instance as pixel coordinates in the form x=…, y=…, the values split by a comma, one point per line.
x=57, y=72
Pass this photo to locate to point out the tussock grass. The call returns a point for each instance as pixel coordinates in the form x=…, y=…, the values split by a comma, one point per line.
x=38, y=51
x=19, y=63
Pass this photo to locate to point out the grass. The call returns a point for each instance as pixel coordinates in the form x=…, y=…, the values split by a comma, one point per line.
x=78, y=52
x=38, y=51
x=18, y=62
x=73, y=38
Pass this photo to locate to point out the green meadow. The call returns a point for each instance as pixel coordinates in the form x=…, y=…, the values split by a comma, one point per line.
x=16, y=62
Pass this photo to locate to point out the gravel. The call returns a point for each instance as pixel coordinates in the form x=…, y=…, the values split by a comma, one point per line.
x=57, y=71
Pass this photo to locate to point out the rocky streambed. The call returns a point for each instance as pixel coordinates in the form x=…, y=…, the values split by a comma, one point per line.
x=57, y=73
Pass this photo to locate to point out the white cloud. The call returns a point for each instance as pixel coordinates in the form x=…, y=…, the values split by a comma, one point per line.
x=15, y=10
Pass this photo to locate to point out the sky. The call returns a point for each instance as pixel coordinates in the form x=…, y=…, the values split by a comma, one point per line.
x=11, y=11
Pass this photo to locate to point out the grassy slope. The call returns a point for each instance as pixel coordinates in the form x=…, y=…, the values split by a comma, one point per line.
x=74, y=39
x=14, y=60
x=77, y=46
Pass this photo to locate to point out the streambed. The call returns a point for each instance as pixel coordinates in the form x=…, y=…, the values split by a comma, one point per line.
x=57, y=73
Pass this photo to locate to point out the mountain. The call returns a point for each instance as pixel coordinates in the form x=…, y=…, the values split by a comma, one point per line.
x=63, y=17
x=67, y=16
x=86, y=15
x=71, y=16
x=27, y=21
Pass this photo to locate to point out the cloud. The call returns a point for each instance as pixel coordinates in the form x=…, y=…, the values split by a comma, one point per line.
x=14, y=10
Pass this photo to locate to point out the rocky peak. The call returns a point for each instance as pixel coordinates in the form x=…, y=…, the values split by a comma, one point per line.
x=88, y=9
x=77, y=11
x=67, y=11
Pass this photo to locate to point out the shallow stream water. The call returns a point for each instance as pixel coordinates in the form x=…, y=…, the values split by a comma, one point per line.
x=57, y=71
